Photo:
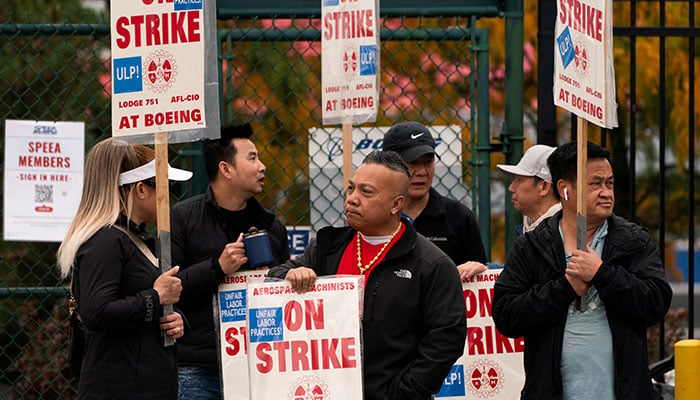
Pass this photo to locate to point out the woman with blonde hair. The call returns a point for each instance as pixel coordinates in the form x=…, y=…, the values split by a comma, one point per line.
x=118, y=286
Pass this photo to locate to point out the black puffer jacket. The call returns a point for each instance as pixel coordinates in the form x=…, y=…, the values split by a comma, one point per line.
x=414, y=324
x=198, y=235
x=532, y=297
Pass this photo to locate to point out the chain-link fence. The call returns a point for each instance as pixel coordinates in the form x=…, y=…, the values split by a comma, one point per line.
x=59, y=70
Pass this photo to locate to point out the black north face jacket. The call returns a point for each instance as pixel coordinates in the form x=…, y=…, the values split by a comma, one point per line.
x=414, y=316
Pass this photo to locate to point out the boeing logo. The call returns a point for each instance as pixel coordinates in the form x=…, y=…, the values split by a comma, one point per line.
x=334, y=145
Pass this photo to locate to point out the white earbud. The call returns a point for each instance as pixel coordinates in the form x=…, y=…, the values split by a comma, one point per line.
x=566, y=194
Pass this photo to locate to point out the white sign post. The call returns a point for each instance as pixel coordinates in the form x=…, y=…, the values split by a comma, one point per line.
x=492, y=364
x=43, y=178
x=584, y=75
x=305, y=346
x=350, y=61
x=157, y=66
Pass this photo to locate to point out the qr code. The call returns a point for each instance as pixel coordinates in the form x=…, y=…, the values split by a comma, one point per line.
x=43, y=193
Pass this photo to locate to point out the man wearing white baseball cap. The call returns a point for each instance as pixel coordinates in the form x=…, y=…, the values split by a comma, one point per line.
x=531, y=189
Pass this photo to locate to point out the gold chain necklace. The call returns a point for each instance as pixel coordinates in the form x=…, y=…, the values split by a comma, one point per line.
x=359, y=252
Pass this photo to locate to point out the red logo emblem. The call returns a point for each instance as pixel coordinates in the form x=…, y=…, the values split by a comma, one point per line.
x=486, y=378
x=581, y=59
x=308, y=388
x=161, y=71
x=349, y=60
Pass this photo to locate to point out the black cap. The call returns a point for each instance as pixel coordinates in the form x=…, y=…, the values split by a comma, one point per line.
x=410, y=139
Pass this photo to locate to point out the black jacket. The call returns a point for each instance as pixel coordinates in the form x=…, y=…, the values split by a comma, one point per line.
x=451, y=226
x=124, y=355
x=532, y=297
x=414, y=318
x=199, y=235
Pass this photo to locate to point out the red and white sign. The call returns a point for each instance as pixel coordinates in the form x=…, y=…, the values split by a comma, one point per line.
x=157, y=66
x=43, y=178
x=305, y=346
x=584, y=74
x=350, y=61
x=492, y=364
x=232, y=319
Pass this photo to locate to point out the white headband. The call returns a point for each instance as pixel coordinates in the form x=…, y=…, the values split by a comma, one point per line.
x=148, y=170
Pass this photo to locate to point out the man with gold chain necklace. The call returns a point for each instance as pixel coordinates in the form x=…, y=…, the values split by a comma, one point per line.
x=414, y=323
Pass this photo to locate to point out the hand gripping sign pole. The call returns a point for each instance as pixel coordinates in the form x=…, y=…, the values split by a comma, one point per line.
x=583, y=54
x=160, y=92
x=163, y=214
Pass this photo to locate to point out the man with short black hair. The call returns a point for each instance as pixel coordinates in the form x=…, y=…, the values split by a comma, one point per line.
x=207, y=243
x=449, y=224
x=598, y=351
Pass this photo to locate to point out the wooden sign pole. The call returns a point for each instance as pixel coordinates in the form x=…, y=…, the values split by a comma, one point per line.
x=163, y=214
x=347, y=152
x=581, y=176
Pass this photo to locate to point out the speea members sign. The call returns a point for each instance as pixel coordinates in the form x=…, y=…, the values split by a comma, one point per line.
x=584, y=75
x=349, y=61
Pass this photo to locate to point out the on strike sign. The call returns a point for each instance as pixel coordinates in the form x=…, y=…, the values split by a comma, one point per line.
x=584, y=75
x=232, y=317
x=157, y=66
x=350, y=61
x=492, y=364
x=304, y=346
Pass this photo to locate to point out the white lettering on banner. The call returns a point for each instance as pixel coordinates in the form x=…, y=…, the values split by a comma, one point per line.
x=582, y=17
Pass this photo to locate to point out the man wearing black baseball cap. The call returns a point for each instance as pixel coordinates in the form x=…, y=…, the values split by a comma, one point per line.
x=450, y=225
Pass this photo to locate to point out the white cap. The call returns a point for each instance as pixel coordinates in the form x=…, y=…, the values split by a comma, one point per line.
x=148, y=170
x=533, y=163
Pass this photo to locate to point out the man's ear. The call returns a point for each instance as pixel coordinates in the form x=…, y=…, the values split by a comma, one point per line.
x=397, y=204
x=224, y=169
